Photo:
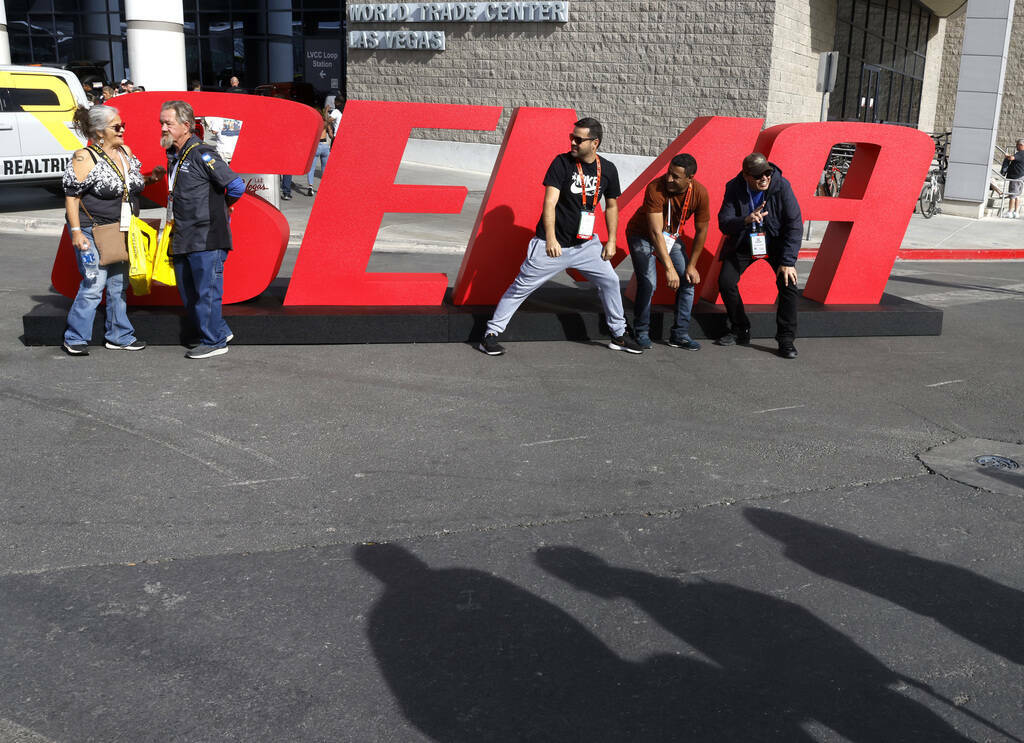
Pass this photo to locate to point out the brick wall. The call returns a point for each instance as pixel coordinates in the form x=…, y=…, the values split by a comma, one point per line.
x=802, y=31
x=645, y=69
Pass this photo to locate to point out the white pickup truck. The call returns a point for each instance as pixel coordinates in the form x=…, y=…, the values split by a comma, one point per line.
x=36, y=134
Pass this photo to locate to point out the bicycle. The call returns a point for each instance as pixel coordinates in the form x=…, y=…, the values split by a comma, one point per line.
x=930, y=199
x=835, y=170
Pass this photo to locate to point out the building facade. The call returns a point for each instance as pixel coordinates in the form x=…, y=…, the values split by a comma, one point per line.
x=645, y=69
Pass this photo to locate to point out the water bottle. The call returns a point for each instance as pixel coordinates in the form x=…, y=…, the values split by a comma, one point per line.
x=89, y=264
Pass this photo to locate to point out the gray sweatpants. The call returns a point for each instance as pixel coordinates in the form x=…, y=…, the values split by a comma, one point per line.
x=539, y=267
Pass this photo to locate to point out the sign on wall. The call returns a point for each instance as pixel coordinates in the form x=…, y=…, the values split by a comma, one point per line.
x=323, y=64
x=545, y=11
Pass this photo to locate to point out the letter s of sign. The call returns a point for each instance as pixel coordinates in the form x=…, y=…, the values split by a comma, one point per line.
x=277, y=136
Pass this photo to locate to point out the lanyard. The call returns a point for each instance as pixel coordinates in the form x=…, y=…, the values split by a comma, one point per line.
x=754, y=226
x=123, y=176
x=682, y=218
x=174, y=175
x=583, y=186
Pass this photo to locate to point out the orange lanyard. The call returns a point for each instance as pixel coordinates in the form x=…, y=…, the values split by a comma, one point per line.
x=682, y=217
x=583, y=186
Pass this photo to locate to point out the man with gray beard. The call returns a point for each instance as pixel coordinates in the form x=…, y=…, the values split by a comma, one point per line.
x=201, y=190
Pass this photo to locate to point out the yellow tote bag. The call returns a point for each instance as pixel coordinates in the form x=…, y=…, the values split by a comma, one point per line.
x=163, y=266
x=141, y=247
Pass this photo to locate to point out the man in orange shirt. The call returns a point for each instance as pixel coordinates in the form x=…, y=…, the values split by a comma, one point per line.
x=656, y=232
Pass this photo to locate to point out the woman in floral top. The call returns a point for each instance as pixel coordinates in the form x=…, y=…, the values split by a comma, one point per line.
x=99, y=179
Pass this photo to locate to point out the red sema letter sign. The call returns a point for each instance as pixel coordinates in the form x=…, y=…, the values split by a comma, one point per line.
x=867, y=222
x=277, y=136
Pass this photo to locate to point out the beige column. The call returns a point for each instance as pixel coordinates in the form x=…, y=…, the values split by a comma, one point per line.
x=5, y=42
x=156, y=44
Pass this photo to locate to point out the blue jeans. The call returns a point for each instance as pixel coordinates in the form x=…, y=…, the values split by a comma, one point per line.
x=322, y=151
x=200, y=279
x=114, y=278
x=286, y=185
x=645, y=267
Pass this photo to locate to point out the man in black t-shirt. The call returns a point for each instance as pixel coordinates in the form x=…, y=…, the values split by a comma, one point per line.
x=565, y=237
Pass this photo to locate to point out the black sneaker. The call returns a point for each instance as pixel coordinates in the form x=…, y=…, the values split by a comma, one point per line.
x=286, y=197
x=135, y=345
x=743, y=337
x=76, y=349
x=625, y=343
x=490, y=346
x=786, y=349
x=687, y=344
x=205, y=352
x=729, y=339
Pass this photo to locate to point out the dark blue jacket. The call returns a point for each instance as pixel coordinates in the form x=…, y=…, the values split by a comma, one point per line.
x=201, y=199
x=783, y=224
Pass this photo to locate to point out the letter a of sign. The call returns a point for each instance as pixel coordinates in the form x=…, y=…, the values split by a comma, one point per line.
x=868, y=219
x=358, y=188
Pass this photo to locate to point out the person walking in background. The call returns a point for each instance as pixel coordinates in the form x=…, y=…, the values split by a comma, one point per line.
x=1013, y=169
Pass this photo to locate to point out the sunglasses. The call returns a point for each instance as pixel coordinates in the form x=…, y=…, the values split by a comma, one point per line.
x=118, y=127
x=763, y=174
x=580, y=140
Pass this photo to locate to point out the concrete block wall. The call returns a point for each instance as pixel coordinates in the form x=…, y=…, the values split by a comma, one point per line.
x=645, y=69
x=802, y=31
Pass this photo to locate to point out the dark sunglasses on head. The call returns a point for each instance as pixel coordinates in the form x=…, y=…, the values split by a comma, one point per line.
x=580, y=140
x=118, y=127
x=763, y=174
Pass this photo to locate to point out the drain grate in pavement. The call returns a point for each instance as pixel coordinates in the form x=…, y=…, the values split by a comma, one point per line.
x=980, y=463
x=992, y=460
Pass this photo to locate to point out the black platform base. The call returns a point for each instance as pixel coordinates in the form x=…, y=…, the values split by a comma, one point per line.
x=551, y=314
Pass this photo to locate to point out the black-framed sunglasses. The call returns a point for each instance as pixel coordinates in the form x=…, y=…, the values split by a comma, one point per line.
x=118, y=127
x=580, y=140
x=763, y=174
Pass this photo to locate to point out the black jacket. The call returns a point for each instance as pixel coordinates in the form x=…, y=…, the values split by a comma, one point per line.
x=200, y=200
x=783, y=224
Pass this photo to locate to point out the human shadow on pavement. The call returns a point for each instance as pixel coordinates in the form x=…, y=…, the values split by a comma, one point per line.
x=781, y=667
x=973, y=606
x=472, y=657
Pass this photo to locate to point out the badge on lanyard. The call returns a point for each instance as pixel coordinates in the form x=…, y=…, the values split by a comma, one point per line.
x=587, y=215
x=586, y=230
x=758, y=244
x=173, y=179
x=126, y=216
x=758, y=241
x=670, y=238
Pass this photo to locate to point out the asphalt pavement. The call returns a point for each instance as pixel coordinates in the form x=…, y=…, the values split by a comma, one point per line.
x=422, y=543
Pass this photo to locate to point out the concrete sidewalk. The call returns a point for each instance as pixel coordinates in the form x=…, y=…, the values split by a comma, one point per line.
x=38, y=211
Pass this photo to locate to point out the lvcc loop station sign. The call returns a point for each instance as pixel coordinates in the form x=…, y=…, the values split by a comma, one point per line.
x=476, y=12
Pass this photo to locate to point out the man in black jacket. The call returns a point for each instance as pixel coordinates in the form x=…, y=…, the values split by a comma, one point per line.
x=760, y=218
